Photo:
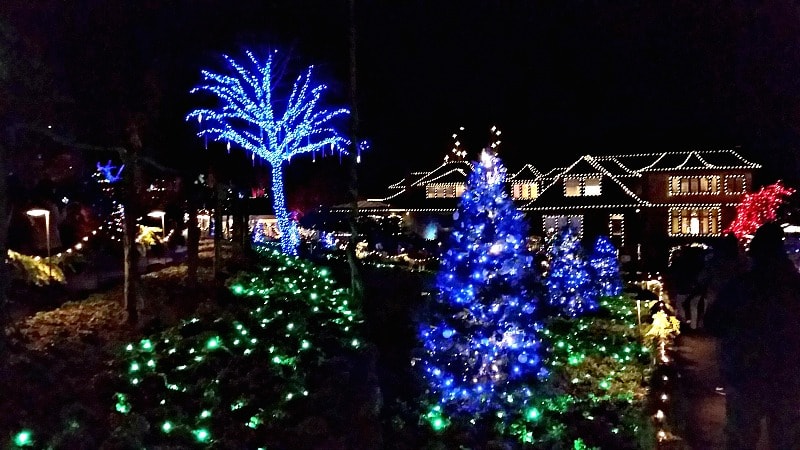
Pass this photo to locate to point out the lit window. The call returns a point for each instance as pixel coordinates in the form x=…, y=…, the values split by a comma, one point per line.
x=680, y=185
x=694, y=221
x=555, y=223
x=444, y=190
x=572, y=187
x=734, y=184
x=430, y=191
x=616, y=229
x=591, y=186
x=524, y=191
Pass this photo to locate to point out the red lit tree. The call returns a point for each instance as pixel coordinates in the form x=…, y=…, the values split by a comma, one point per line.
x=758, y=208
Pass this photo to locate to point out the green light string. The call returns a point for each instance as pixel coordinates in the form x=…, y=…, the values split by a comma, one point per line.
x=243, y=368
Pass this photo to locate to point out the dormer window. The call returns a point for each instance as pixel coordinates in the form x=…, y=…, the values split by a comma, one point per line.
x=572, y=187
x=735, y=184
x=524, y=191
x=591, y=186
x=584, y=186
x=444, y=190
x=694, y=185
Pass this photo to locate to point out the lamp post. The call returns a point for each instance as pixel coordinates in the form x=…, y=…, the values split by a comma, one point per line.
x=46, y=214
x=160, y=214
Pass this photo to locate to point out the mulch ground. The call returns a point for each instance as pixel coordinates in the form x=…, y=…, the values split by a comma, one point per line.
x=58, y=375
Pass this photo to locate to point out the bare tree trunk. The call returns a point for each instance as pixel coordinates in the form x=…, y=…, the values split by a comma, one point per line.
x=131, y=268
x=237, y=231
x=356, y=283
x=130, y=229
x=4, y=222
x=132, y=206
x=192, y=239
x=219, y=191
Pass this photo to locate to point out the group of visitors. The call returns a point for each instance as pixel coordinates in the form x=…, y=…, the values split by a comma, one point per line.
x=752, y=306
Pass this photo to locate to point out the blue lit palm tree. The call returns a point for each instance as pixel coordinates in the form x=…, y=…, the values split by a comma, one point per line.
x=248, y=116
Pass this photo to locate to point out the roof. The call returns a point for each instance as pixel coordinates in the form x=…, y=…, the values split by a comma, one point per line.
x=527, y=173
x=613, y=193
x=616, y=171
x=685, y=160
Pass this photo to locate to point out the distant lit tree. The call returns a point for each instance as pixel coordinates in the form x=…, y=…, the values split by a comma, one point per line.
x=253, y=115
x=758, y=208
x=604, y=265
x=569, y=288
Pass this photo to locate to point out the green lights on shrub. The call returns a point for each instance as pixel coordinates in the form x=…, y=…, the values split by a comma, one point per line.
x=213, y=343
x=254, y=422
x=202, y=435
x=436, y=419
x=146, y=345
x=284, y=307
x=533, y=414
x=122, y=404
x=24, y=438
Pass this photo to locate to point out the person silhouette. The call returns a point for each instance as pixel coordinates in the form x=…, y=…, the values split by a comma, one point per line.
x=757, y=320
x=725, y=263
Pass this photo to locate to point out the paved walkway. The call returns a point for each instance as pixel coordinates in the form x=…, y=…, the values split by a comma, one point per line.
x=699, y=409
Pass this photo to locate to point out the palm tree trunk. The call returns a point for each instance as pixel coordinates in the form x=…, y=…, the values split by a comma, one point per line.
x=356, y=283
x=288, y=229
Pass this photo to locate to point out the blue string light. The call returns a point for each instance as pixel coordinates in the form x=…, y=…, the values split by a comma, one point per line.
x=108, y=172
x=248, y=116
x=570, y=288
x=482, y=347
x=605, y=267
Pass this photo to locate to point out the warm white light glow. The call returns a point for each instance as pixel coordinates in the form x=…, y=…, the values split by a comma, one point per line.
x=38, y=212
x=156, y=214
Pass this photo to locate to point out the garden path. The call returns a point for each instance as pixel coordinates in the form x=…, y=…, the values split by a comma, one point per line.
x=699, y=408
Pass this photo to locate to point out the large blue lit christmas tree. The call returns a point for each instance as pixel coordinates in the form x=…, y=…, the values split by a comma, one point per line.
x=481, y=346
x=252, y=114
x=570, y=289
x=604, y=266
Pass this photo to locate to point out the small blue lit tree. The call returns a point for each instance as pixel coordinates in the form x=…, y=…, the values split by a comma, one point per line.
x=252, y=115
x=569, y=287
x=604, y=266
x=481, y=347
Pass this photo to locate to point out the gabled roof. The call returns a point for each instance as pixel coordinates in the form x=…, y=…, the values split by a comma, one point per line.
x=553, y=173
x=615, y=167
x=465, y=167
x=457, y=175
x=686, y=160
x=413, y=176
x=527, y=173
x=613, y=194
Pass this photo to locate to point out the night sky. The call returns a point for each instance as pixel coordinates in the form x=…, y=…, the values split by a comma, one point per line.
x=560, y=79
